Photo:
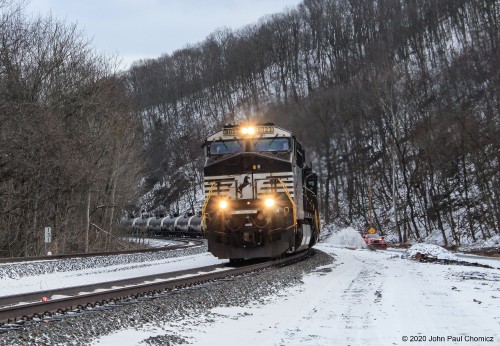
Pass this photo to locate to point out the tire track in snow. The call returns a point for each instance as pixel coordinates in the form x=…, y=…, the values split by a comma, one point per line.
x=344, y=304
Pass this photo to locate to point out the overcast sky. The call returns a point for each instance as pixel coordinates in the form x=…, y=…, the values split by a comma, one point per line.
x=137, y=29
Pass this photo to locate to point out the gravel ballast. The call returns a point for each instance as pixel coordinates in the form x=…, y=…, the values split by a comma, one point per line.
x=178, y=307
x=18, y=270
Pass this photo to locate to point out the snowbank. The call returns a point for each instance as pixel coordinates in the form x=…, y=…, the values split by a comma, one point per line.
x=493, y=241
x=347, y=237
x=466, y=242
x=429, y=249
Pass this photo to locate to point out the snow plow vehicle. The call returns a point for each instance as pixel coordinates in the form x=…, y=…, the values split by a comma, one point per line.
x=375, y=241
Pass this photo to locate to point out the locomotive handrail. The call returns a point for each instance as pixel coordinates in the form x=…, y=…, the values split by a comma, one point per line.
x=204, y=207
x=316, y=218
x=294, y=207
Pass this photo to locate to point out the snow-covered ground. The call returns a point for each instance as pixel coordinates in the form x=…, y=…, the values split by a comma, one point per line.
x=363, y=298
x=15, y=281
x=155, y=242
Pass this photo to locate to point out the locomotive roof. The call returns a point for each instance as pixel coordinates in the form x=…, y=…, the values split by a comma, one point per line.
x=263, y=130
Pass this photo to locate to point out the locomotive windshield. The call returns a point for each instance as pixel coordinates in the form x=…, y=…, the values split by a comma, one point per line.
x=225, y=147
x=257, y=144
x=271, y=144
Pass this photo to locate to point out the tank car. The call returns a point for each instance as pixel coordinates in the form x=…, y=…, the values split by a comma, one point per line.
x=173, y=226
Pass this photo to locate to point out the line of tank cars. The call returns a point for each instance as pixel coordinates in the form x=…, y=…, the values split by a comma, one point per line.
x=187, y=225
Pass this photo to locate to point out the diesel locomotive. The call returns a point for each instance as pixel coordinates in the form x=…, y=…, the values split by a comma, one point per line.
x=260, y=195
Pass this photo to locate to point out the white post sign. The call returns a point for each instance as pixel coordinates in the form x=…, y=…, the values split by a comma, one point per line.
x=48, y=234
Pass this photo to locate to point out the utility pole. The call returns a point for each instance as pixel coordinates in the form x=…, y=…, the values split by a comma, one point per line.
x=88, y=224
x=394, y=160
x=370, y=201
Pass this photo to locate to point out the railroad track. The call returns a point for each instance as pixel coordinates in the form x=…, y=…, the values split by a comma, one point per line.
x=27, y=306
x=186, y=241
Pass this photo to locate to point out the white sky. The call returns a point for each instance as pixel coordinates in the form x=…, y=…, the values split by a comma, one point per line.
x=138, y=29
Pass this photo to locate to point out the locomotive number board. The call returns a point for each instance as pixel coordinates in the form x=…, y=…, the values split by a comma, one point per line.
x=234, y=131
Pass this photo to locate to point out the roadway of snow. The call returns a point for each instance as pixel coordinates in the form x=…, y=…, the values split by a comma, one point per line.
x=363, y=298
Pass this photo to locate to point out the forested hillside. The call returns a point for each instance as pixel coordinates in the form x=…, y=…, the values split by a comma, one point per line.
x=69, y=141
x=397, y=100
x=397, y=103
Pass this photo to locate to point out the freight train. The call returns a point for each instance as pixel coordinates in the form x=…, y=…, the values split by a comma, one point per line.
x=260, y=195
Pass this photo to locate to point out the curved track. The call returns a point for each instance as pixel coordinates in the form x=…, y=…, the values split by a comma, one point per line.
x=65, y=300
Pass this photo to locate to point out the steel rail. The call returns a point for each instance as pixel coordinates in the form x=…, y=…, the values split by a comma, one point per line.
x=13, y=313
x=37, y=296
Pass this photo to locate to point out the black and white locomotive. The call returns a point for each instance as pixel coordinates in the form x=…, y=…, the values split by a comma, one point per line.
x=260, y=196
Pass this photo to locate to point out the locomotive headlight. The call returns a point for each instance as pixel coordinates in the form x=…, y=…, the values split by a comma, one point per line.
x=247, y=130
x=269, y=202
x=223, y=204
